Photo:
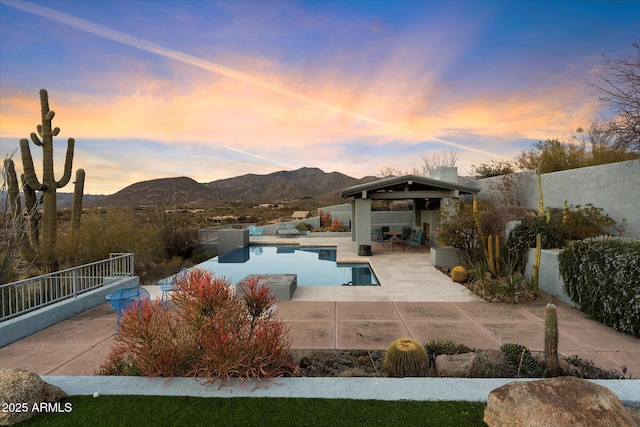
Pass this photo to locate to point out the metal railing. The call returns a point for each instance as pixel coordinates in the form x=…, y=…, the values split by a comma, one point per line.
x=27, y=295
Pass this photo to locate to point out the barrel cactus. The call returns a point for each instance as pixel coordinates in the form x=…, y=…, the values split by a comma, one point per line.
x=459, y=274
x=526, y=365
x=405, y=357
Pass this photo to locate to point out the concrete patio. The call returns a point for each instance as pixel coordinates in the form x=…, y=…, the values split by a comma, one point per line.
x=414, y=300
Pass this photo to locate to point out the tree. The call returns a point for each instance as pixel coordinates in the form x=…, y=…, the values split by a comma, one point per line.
x=618, y=87
x=435, y=160
x=493, y=168
x=553, y=155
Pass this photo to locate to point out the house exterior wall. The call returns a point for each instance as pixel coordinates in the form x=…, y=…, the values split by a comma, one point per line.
x=613, y=187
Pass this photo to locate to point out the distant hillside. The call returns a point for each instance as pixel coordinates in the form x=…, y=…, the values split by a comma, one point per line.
x=282, y=185
x=165, y=191
x=251, y=188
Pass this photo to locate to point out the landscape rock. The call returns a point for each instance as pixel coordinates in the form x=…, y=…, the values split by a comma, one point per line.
x=21, y=390
x=455, y=365
x=561, y=401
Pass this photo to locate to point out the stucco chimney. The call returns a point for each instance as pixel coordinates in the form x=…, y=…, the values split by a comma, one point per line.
x=445, y=173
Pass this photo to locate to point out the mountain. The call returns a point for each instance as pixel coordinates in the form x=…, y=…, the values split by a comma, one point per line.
x=163, y=191
x=272, y=188
x=282, y=185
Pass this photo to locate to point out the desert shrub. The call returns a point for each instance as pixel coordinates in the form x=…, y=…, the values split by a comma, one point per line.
x=581, y=368
x=212, y=333
x=492, y=364
x=523, y=237
x=337, y=225
x=104, y=232
x=581, y=222
x=437, y=346
x=602, y=275
x=153, y=342
x=495, y=220
x=302, y=226
x=522, y=360
x=325, y=219
x=170, y=228
x=459, y=231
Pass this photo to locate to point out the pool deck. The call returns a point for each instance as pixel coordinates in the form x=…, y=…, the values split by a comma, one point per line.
x=414, y=300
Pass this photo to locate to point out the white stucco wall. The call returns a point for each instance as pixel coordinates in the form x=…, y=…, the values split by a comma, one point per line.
x=614, y=187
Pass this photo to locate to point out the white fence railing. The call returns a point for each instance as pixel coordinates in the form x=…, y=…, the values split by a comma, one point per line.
x=21, y=297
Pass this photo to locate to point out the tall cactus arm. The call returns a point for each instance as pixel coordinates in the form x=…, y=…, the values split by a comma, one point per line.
x=30, y=200
x=76, y=208
x=35, y=138
x=13, y=188
x=29, y=170
x=68, y=164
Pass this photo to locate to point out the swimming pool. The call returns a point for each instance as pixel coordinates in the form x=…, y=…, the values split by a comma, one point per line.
x=314, y=265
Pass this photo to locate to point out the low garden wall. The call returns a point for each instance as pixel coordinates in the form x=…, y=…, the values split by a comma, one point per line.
x=549, y=279
x=22, y=326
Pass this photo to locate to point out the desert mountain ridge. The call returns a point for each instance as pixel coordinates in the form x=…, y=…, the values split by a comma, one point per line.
x=250, y=188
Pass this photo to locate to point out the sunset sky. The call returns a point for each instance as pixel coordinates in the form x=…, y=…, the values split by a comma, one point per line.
x=216, y=89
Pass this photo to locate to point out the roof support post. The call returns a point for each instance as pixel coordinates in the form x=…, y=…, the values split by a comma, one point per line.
x=362, y=222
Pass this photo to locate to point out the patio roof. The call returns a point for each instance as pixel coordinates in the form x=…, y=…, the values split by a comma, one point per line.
x=413, y=186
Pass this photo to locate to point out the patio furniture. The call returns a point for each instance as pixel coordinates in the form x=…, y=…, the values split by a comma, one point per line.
x=395, y=238
x=417, y=239
x=121, y=299
x=406, y=233
x=378, y=236
x=286, y=230
x=254, y=231
x=385, y=230
x=166, y=286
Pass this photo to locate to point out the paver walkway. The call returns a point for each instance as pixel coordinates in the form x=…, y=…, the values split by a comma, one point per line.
x=414, y=300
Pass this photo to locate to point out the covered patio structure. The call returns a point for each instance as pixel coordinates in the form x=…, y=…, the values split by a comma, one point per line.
x=433, y=198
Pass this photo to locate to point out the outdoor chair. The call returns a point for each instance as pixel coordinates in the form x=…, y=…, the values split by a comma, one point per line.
x=417, y=239
x=377, y=236
x=283, y=229
x=254, y=231
x=406, y=233
x=385, y=229
x=123, y=298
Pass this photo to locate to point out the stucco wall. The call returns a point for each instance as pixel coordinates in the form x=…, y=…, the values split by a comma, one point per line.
x=613, y=187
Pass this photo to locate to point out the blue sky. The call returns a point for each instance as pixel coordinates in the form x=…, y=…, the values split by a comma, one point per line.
x=211, y=90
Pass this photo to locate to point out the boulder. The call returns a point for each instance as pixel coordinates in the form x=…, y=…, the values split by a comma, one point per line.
x=455, y=365
x=20, y=391
x=560, y=401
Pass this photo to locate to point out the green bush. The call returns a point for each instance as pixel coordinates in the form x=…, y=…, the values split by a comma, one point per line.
x=522, y=360
x=580, y=223
x=602, y=276
x=523, y=237
x=302, y=226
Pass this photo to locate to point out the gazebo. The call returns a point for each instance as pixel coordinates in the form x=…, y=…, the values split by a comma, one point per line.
x=432, y=197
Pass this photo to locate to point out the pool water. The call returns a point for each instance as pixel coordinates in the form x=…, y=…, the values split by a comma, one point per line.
x=315, y=266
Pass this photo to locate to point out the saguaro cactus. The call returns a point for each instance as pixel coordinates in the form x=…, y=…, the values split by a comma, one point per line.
x=476, y=218
x=48, y=185
x=535, y=275
x=551, y=340
x=22, y=232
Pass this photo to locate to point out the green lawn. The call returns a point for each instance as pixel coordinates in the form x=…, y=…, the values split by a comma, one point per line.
x=196, y=411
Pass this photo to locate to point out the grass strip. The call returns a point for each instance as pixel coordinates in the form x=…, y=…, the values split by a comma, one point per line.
x=195, y=411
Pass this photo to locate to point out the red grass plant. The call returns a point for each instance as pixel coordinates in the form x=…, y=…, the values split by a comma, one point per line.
x=212, y=334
